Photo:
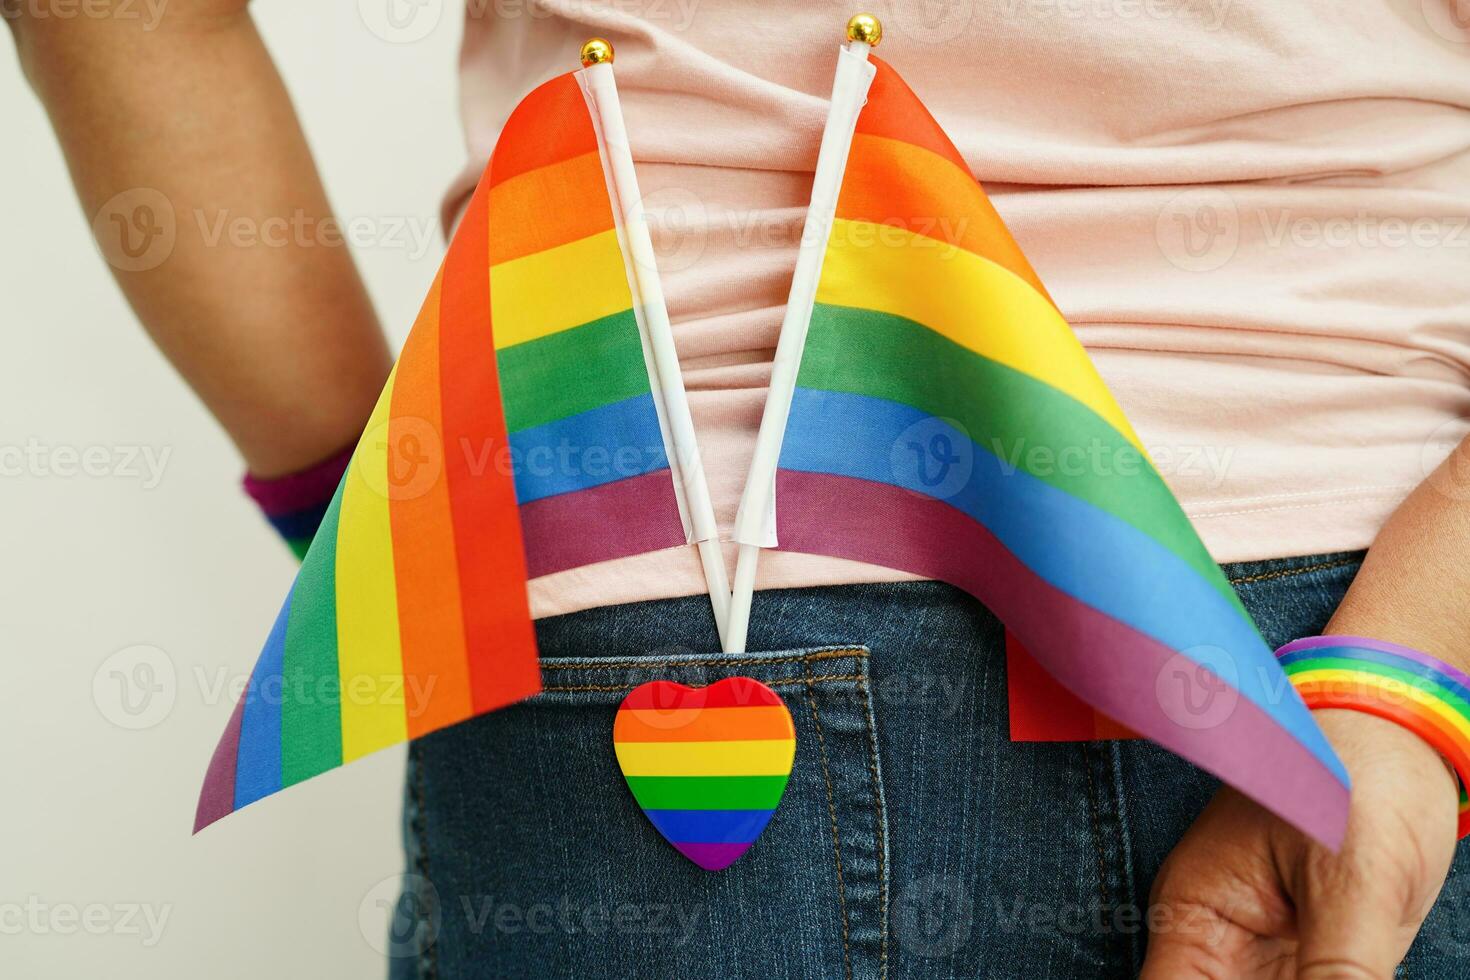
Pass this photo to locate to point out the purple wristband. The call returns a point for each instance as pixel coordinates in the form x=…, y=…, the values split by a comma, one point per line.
x=302, y=489
x=1368, y=643
x=296, y=503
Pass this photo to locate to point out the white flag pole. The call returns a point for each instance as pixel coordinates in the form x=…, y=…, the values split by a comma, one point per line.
x=665, y=377
x=755, y=524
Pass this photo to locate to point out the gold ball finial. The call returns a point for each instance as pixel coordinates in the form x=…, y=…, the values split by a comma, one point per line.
x=596, y=52
x=865, y=28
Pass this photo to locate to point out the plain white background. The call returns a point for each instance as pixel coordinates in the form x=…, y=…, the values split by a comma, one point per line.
x=135, y=590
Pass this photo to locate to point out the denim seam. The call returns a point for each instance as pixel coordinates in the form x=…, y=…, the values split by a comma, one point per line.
x=789, y=682
x=1094, y=805
x=716, y=661
x=1289, y=572
x=881, y=831
x=1125, y=845
x=832, y=816
x=428, y=965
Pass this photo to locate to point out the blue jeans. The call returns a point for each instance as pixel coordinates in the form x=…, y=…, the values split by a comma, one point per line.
x=915, y=839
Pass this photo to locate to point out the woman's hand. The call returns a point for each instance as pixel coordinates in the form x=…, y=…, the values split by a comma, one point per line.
x=1251, y=897
x=188, y=158
x=1262, y=900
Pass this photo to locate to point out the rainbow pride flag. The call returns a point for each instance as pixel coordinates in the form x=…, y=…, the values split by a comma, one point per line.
x=946, y=421
x=708, y=766
x=518, y=435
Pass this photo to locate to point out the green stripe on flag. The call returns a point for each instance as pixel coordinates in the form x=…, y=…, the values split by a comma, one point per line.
x=1026, y=423
x=311, y=712
x=572, y=371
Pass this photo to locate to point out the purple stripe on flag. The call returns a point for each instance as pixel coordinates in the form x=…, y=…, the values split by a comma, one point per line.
x=1124, y=674
x=613, y=520
x=217, y=798
x=712, y=857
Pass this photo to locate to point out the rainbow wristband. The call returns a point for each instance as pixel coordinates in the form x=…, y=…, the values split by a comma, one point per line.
x=1427, y=696
x=296, y=503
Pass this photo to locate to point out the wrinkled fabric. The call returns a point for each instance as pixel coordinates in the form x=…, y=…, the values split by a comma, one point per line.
x=1254, y=214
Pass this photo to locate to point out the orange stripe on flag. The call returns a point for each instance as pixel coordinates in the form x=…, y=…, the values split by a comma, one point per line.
x=435, y=664
x=894, y=111
x=894, y=182
x=549, y=206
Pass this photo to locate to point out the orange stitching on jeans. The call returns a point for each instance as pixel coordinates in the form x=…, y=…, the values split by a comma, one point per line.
x=1094, y=804
x=1288, y=572
x=832, y=815
x=880, y=828
x=789, y=682
x=711, y=662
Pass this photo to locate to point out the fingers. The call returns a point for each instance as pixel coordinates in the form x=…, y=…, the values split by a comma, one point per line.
x=1217, y=907
x=1209, y=947
x=1352, y=925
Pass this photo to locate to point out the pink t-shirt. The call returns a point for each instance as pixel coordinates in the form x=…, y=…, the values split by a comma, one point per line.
x=1253, y=213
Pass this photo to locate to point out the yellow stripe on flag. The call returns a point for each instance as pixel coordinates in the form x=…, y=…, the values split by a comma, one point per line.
x=369, y=659
x=563, y=287
x=767, y=757
x=967, y=299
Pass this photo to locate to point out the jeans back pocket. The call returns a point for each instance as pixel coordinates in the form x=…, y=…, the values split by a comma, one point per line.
x=542, y=863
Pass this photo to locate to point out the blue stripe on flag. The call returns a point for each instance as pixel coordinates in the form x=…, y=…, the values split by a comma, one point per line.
x=1075, y=546
x=587, y=450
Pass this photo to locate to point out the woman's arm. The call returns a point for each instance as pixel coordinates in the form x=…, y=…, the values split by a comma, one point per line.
x=1266, y=902
x=186, y=126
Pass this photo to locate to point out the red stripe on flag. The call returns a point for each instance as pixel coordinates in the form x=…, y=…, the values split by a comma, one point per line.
x=550, y=125
x=1042, y=710
x=499, y=638
x=894, y=112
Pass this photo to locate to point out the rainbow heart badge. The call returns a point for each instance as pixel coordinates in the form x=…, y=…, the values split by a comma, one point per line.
x=708, y=765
